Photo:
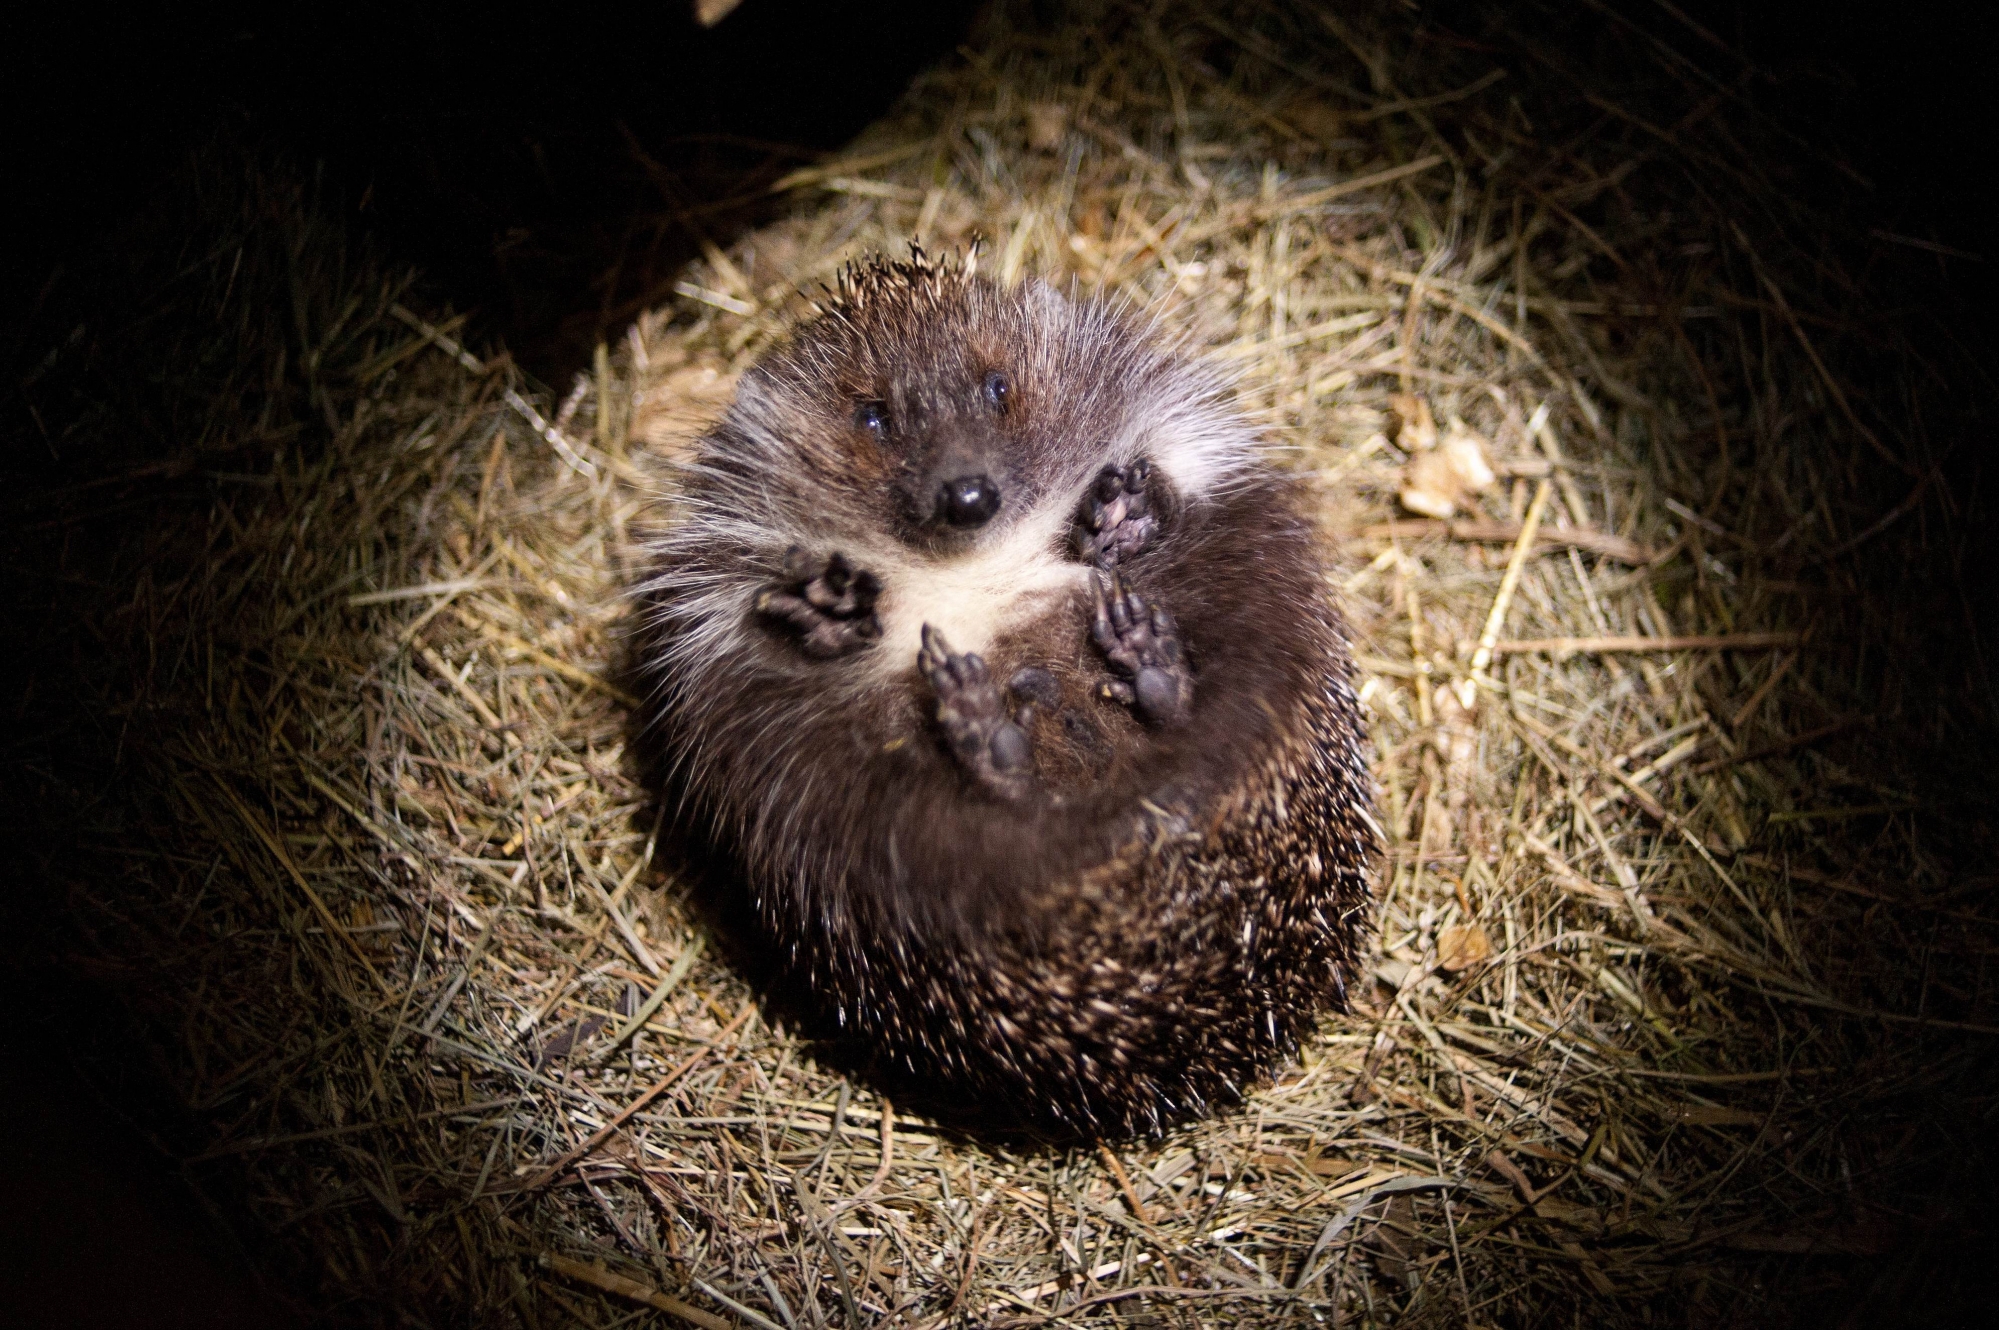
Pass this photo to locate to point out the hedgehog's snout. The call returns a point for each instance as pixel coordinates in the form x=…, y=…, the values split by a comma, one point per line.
x=968, y=501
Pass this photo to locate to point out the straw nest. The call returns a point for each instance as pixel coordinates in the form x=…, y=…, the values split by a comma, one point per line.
x=1678, y=988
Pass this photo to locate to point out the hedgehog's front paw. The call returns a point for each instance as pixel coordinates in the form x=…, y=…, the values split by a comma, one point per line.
x=972, y=710
x=825, y=601
x=1142, y=644
x=1118, y=518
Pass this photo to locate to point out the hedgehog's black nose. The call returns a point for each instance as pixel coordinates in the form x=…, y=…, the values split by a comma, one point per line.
x=968, y=500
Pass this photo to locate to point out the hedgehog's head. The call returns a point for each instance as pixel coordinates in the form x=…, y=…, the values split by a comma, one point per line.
x=928, y=403
x=939, y=419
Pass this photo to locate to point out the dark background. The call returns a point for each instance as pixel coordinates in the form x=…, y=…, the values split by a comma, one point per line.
x=549, y=172
x=515, y=159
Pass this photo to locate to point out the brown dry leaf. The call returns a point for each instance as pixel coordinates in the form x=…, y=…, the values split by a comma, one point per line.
x=1470, y=455
x=1412, y=427
x=1438, y=482
x=1462, y=946
x=1428, y=486
x=1330, y=1166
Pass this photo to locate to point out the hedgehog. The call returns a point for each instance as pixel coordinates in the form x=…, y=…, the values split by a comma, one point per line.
x=988, y=651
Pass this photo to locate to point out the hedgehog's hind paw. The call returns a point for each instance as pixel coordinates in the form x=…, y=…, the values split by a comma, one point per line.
x=827, y=603
x=971, y=708
x=1142, y=644
x=1118, y=518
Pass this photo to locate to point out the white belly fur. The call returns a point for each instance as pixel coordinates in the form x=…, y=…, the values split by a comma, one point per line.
x=974, y=598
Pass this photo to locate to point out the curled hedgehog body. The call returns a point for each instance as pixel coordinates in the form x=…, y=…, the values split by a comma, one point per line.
x=998, y=665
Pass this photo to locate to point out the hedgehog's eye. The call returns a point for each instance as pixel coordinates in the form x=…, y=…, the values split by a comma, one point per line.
x=999, y=391
x=872, y=416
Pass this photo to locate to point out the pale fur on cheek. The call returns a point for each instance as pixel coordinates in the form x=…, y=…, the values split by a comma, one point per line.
x=1198, y=451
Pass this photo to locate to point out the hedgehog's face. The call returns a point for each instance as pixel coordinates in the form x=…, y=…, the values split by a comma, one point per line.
x=934, y=419
x=944, y=426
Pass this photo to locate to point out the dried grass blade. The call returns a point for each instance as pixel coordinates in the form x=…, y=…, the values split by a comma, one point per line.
x=595, y=1275
x=1495, y=618
x=652, y=1092
x=682, y=963
x=270, y=842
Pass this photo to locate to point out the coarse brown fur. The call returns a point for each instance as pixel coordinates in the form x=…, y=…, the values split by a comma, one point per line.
x=1133, y=925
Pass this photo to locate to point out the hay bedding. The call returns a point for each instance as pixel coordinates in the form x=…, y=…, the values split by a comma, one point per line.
x=1666, y=999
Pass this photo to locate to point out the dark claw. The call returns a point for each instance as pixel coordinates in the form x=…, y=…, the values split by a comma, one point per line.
x=826, y=602
x=934, y=648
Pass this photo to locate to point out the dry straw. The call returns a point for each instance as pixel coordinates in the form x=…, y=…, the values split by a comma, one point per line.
x=1664, y=994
